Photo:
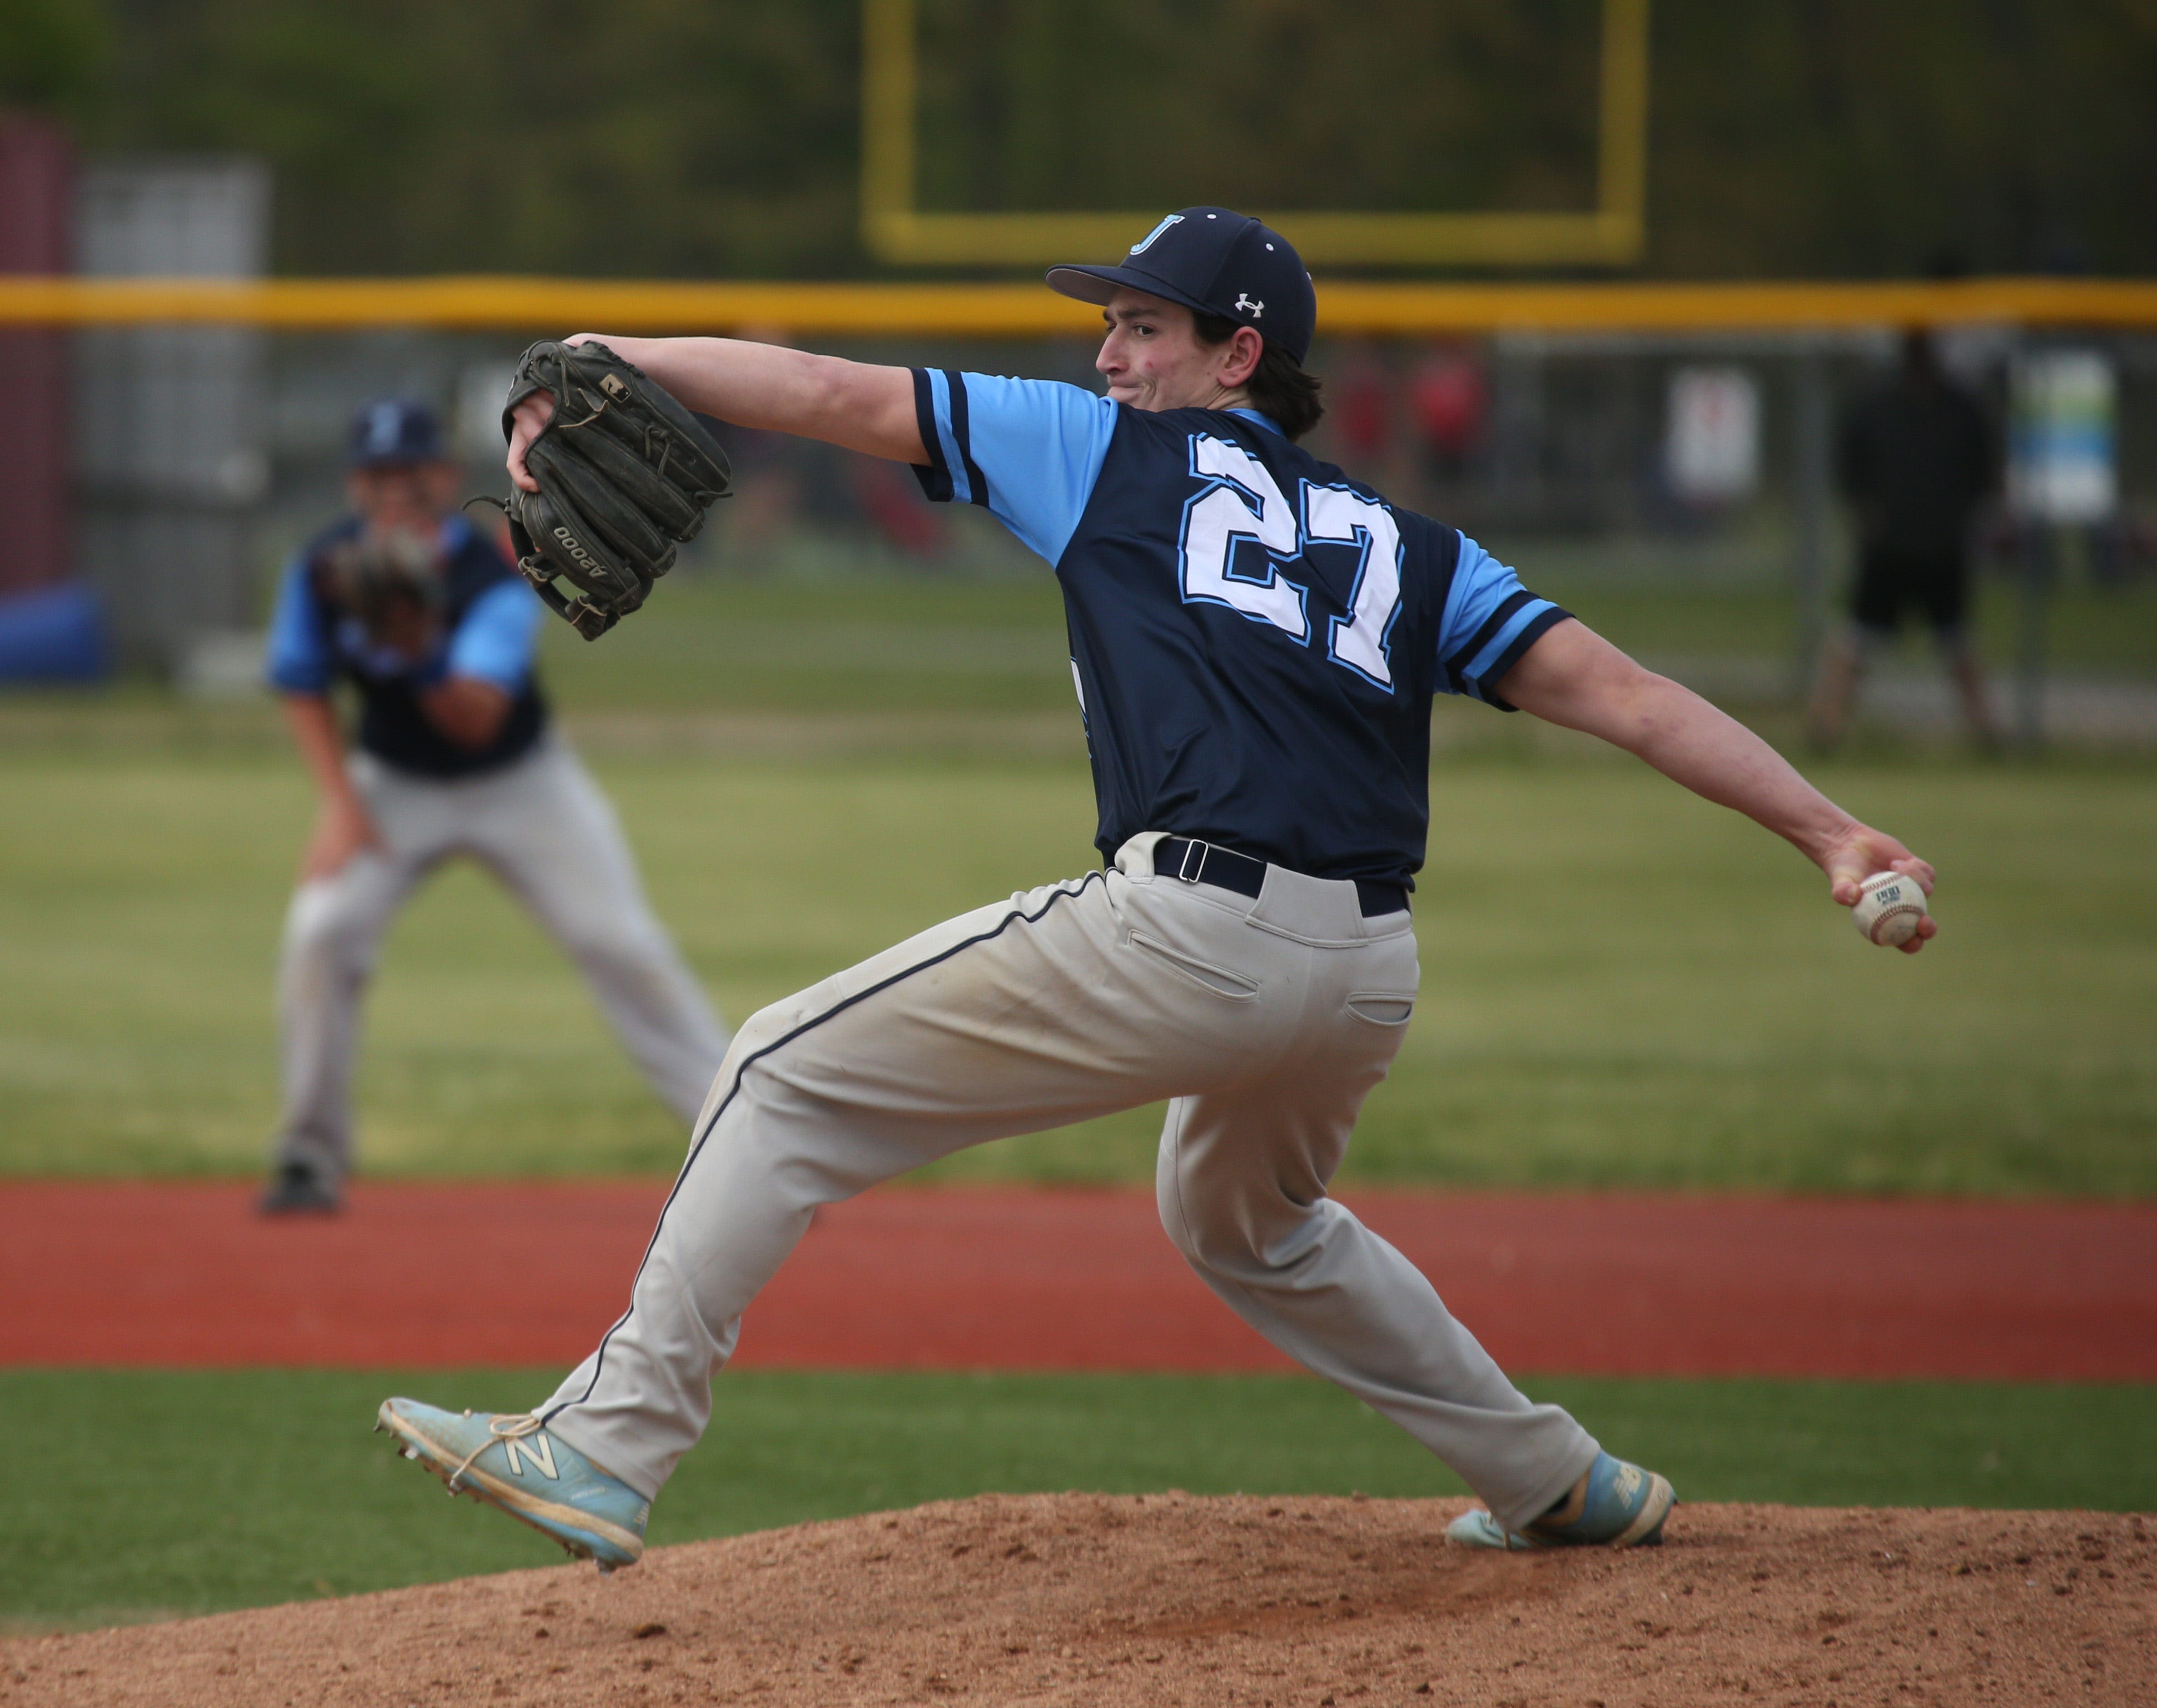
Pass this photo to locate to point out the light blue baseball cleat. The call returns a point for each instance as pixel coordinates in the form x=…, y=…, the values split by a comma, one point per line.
x=1614, y=1506
x=512, y=1462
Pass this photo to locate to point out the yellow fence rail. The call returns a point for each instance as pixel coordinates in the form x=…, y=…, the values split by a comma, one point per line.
x=1032, y=311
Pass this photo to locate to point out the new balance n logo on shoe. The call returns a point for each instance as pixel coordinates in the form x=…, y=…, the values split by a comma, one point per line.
x=536, y=1448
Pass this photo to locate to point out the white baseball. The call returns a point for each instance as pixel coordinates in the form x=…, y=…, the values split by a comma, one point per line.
x=1889, y=907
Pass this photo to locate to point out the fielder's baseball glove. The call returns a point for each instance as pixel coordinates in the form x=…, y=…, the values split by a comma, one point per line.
x=385, y=580
x=626, y=474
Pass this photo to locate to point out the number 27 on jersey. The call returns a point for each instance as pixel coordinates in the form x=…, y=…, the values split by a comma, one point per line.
x=1242, y=500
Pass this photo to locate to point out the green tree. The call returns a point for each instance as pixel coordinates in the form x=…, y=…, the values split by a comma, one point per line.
x=55, y=55
x=1833, y=137
x=716, y=137
x=632, y=136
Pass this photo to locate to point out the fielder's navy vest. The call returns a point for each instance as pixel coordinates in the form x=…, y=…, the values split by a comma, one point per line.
x=392, y=726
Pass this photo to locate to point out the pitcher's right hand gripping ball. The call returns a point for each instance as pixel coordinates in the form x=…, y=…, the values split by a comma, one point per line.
x=1889, y=907
x=626, y=474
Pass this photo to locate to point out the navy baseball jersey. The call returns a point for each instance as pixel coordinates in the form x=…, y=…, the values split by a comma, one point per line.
x=491, y=619
x=1255, y=637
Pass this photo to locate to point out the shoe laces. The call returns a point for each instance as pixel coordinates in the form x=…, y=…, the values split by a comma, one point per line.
x=500, y=1427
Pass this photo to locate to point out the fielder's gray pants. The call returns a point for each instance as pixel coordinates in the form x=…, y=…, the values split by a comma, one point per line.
x=541, y=826
x=1266, y=1022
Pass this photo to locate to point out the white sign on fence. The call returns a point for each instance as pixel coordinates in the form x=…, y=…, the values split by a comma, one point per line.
x=2064, y=468
x=1712, y=450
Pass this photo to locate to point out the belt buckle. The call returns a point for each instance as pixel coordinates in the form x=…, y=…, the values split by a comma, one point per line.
x=1191, y=846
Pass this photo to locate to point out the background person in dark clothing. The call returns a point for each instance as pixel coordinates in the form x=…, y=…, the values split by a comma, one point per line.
x=1919, y=458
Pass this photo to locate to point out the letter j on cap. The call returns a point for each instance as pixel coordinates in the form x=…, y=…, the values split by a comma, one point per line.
x=1145, y=243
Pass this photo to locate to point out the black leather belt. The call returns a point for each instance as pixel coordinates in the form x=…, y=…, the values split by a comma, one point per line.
x=1208, y=862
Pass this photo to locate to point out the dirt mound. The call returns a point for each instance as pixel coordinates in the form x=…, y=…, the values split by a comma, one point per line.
x=1155, y=1599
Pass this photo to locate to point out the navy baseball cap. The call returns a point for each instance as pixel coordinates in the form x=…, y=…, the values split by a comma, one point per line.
x=1216, y=261
x=393, y=431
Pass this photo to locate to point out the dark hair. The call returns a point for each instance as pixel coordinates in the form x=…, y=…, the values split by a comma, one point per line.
x=1280, y=390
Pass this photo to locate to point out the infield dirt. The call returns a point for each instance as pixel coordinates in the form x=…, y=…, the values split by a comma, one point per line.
x=1170, y=1599
x=123, y=1273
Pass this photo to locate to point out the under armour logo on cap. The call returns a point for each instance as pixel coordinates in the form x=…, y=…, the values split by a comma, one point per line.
x=1254, y=309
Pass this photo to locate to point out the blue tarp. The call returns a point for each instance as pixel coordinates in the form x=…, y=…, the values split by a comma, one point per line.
x=55, y=634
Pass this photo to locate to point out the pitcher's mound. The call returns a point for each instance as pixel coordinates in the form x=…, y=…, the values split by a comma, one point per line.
x=1160, y=1599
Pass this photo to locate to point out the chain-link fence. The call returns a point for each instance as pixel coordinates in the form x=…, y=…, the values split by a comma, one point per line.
x=1681, y=491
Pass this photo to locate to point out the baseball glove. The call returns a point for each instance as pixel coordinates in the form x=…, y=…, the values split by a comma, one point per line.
x=387, y=581
x=626, y=474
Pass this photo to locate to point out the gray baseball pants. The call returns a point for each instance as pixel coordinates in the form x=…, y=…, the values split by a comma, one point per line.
x=540, y=824
x=1265, y=1022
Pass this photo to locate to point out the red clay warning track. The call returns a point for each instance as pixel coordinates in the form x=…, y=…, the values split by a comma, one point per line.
x=439, y=1275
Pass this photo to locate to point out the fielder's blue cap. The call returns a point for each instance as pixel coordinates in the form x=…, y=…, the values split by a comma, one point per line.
x=391, y=430
x=1216, y=261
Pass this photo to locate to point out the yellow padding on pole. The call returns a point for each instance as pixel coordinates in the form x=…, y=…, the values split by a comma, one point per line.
x=563, y=305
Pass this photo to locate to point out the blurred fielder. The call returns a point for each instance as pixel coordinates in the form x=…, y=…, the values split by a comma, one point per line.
x=1255, y=638
x=416, y=609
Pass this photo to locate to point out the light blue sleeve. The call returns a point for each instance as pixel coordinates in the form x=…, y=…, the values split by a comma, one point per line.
x=496, y=639
x=296, y=660
x=1028, y=451
x=1490, y=621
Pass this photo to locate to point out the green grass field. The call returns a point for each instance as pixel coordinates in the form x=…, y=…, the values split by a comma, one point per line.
x=155, y=1495
x=852, y=643
x=1621, y=985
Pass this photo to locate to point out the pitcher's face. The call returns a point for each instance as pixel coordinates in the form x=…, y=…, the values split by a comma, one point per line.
x=1152, y=358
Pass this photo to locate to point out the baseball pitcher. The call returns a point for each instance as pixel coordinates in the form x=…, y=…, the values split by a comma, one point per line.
x=414, y=607
x=1255, y=638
